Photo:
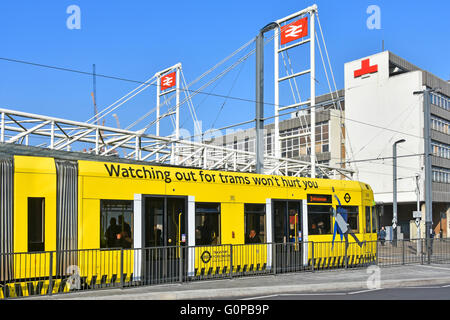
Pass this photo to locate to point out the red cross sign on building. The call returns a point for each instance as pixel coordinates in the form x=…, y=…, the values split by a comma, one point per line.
x=295, y=30
x=366, y=68
x=168, y=81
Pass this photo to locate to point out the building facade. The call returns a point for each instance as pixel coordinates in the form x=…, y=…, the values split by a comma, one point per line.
x=357, y=128
x=381, y=109
x=295, y=137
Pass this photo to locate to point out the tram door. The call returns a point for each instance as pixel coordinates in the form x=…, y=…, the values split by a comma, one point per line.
x=164, y=234
x=287, y=234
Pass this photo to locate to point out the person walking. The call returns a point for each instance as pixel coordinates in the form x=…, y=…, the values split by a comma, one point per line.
x=382, y=236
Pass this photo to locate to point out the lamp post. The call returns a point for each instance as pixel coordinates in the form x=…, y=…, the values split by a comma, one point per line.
x=427, y=151
x=394, y=202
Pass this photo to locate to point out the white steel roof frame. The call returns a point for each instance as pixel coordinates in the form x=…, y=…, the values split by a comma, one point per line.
x=144, y=147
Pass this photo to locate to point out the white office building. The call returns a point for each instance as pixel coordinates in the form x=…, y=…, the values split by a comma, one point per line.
x=380, y=109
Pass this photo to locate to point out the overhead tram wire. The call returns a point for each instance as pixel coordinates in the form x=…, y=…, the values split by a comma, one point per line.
x=390, y=123
x=130, y=80
x=309, y=108
x=200, y=92
x=147, y=84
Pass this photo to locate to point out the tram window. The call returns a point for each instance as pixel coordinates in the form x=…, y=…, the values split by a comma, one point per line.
x=319, y=219
x=207, y=223
x=352, y=218
x=255, y=222
x=116, y=223
x=374, y=220
x=36, y=224
x=368, y=226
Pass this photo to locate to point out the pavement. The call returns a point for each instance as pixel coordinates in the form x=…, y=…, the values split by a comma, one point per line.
x=310, y=282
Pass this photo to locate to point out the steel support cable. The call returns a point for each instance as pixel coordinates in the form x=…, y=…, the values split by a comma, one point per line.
x=293, y=79
x=197, y=79
x=198, y=105
x=326, y=74
x=303, y=117
x=335, y=86
x=292, y=89
x=188, y=98
x=244, y=58
x=226, y=99
x=129, y=80
x=329, y=85
x=113, y=107
x=166, y=102
x=223, y=73
x=191, y=108
x=229, y=92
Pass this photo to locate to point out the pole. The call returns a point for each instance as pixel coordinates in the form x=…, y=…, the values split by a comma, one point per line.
x=428, y=190
x=276, y=94
x=313, y=94
x=394, y=193
x=427, y=150
x=259, y=116
x=94, y=92
x=259, y=102
x=418, y=209
x=158, y=93
x=394, y=201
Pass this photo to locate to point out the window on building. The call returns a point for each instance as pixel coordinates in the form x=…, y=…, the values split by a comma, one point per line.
x=116, y=223
x=207, y=223
x=269, y=144
x=36, y=224
x=352, y=218
x=319, y=219
x=255, y=223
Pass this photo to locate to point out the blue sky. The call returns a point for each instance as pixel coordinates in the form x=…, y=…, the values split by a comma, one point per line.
x=134, y=39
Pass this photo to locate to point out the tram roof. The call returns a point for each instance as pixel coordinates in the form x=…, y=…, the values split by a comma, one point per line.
x=10, y=150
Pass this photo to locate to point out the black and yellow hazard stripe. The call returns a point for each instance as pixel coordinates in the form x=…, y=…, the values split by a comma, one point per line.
x=42, y=287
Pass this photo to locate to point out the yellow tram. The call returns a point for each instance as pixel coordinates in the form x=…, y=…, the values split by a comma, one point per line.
x=227, y=220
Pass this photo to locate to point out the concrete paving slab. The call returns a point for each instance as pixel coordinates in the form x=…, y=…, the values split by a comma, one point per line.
x=319, y=281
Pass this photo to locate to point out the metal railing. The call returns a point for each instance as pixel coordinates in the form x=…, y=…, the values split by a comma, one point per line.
x=414, y=251
x=46, y=273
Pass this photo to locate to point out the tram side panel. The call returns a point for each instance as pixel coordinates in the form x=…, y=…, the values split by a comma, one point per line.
x=34, y=215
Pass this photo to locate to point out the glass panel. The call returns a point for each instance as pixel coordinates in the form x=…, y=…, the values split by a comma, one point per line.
x=294, y=221
x=255, y=223
x=279, y=221
x=175, y=222
x=352, y=218
x=36, y=209
x=319, y=219
x=154, y=222
x=207, y=223
x=374, y=220
x=368, y=226
x=116, y=220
